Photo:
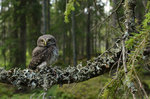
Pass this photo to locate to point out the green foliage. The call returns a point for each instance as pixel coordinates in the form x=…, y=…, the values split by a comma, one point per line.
x=113, y=87
x=70, y=7
x=136, y=44
x=8, y=91
x=146, y=21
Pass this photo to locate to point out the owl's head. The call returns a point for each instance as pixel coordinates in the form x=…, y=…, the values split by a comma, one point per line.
x=46, y=41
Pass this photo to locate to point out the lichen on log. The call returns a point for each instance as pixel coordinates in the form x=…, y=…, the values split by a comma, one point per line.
x=48, y=76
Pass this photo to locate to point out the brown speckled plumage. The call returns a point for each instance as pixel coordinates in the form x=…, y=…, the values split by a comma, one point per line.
x=46, y=51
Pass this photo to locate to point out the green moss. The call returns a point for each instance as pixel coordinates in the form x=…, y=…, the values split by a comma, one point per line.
x=6, y=90
x=87, y=89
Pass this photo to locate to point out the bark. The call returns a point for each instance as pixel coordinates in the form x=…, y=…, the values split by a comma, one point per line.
x=139, y=11
x=130, y=28
x=92, y=44
x=44, y=17
x=107, y=38
x=33, y=19
x=23, y=34
x=74, y=39
x=48, y=15
x=3, y=36
x=88, y=39
x=14, y=56
x=18, y=35
x=114, y=15
x=64, y=47
x=130, y=17
x=96, y=39
x=69, y=44
x=144, y=3
x=82, y=47
x=99, y=41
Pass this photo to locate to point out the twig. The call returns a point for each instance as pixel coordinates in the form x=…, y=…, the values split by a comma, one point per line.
x=141, y=86
x=118, y=64
x=146, y=67
x=32, y=95
x=79, y=13
x=133, y=95
x=119, y=22
x=130, y=18
x=40, y=95
x=124, y=57
x=106, y=86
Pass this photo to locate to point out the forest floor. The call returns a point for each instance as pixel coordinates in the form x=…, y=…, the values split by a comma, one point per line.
x=84, y=90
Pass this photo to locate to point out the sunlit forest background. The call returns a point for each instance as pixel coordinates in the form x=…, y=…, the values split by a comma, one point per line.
x=86, y=32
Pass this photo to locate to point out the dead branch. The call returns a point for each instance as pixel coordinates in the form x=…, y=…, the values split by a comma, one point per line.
x=46, y=77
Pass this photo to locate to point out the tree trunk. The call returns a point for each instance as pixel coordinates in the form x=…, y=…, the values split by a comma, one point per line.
x=18, y=35
x=92, y=44
x=82, y=47
x=48, y=15
x=88, y=39
x=64, y=47
x=144, y=3
x=95, y=41
x=23, y=34
x=14, y=46
x=69, y=46
x=107, y=38
x=44, y=17
x=114, y=16
x=139, y=11
x=74, y=39
x=130, y=28
x=130, y=16
x=3, y=37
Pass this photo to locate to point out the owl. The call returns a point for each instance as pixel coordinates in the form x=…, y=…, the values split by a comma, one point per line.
x=45, y=53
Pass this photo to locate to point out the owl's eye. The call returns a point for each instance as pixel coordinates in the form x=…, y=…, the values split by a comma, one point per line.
x=42, y=40
x=51, y=40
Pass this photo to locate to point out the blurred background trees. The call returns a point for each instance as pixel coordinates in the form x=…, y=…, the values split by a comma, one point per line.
x=90, y=31
x=24, y=21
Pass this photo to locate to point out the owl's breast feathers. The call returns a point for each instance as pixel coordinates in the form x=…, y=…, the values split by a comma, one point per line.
x=43, y=54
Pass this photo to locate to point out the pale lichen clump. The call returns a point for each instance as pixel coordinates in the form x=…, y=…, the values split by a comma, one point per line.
x=46, y=77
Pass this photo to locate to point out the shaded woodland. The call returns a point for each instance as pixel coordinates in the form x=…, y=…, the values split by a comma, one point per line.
x=94, y=37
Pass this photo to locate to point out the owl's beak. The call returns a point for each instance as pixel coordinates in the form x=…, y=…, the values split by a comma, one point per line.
x=45, y=43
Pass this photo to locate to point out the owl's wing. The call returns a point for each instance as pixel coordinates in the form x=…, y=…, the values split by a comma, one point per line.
x=37, y=51
x=38, y=56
